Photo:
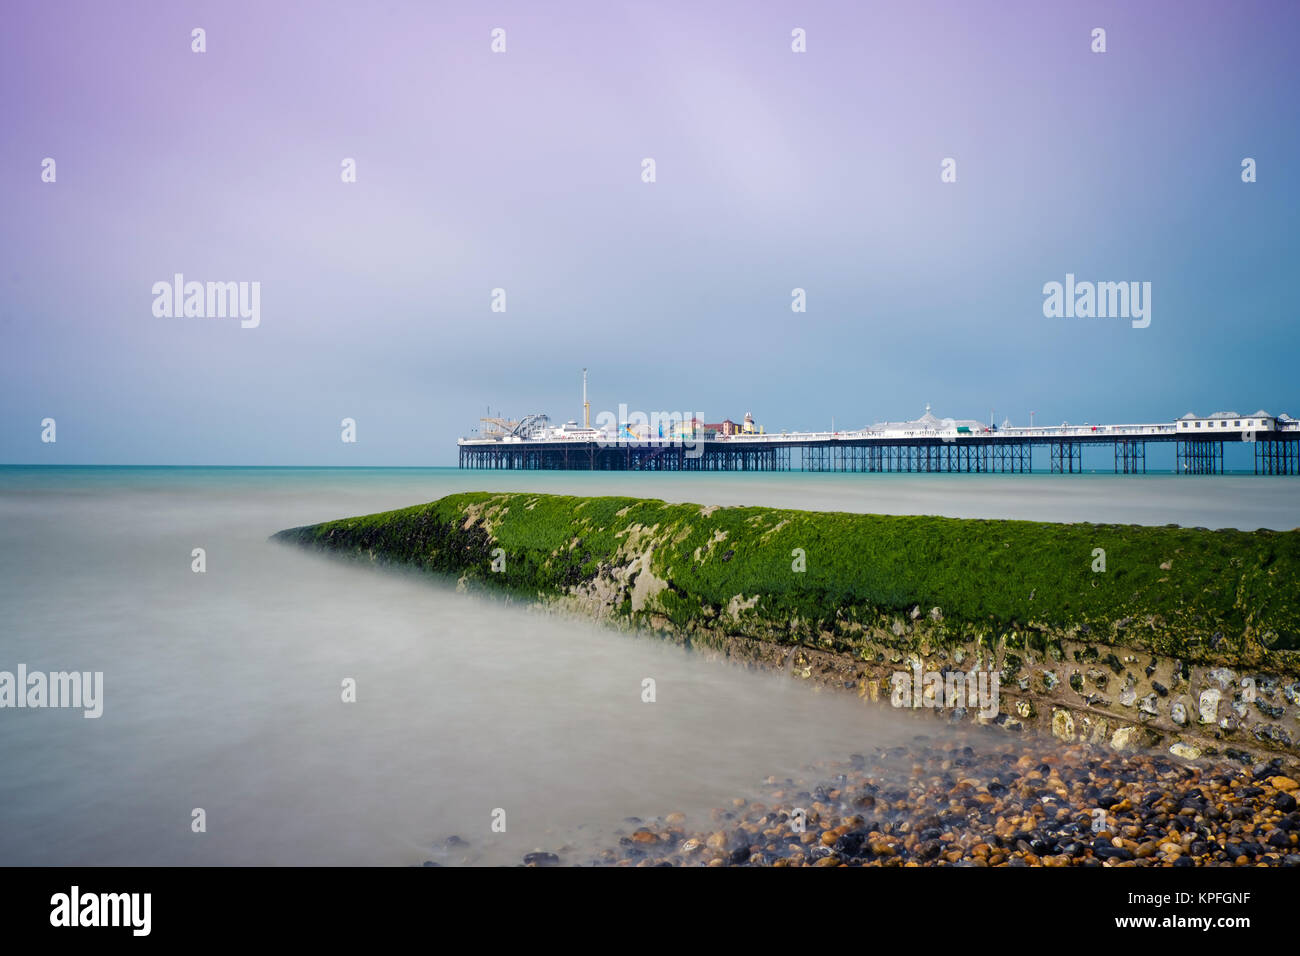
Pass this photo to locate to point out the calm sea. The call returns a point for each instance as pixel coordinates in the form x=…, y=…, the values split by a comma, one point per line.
x=222, y=690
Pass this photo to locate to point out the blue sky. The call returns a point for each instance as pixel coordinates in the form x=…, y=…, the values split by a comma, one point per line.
x=522, y=171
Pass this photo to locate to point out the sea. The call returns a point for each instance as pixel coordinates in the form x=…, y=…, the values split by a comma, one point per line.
x=474, y=731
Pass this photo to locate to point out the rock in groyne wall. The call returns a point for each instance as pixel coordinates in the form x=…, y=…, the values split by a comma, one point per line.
x=1178, y=638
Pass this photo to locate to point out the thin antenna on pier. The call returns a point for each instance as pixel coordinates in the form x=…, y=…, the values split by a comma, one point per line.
x=586, y=405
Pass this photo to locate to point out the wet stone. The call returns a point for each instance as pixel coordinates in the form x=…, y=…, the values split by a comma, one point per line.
x=1004, y=802
x=1274, y=711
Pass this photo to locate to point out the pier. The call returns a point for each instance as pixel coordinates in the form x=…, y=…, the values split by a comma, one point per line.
x=1276, y=452
x=665, y=441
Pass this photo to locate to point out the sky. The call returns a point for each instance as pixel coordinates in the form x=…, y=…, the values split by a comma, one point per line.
x=522, y=170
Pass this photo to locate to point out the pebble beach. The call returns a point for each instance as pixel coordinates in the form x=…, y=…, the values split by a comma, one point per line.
x=954, y=802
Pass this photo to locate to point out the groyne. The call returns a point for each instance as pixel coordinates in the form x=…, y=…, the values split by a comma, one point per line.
x=1180, y=639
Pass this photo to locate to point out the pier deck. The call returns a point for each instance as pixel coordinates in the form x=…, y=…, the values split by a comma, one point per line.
x=1276, y=452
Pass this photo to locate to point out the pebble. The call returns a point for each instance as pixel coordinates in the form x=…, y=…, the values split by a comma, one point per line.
x=1001, y=802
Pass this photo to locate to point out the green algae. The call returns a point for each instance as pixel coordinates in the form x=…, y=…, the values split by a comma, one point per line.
x=836, y=580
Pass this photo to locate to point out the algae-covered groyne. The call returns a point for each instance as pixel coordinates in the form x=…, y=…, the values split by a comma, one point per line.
x=1186, y=639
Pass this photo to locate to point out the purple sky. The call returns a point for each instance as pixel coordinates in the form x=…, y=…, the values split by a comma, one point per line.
x=521, y=170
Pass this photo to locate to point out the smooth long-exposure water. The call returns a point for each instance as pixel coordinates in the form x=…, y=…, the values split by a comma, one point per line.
x=222, y=690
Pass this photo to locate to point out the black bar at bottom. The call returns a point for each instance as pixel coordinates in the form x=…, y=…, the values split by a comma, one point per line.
x=378, y=905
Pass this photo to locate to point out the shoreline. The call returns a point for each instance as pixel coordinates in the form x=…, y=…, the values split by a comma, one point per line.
x=1016, y=803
